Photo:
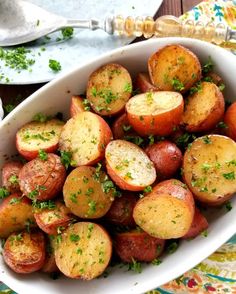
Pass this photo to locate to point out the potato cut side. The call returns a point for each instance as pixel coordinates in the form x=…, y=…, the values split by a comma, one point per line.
x=85, y=192
x=15, y=214
x=204, y=109
x=163, y=216
x=209, y=169
x=25, y=252
x=156, y=113
x=109, y=88
x=85, y=136
x=174, y=68
x=129, y=166
x=84, y=251
x=38, y=135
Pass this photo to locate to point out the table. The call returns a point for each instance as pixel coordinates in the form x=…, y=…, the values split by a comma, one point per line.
x=14, y=94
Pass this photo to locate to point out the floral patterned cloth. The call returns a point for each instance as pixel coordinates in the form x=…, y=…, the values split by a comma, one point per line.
x=217, y=273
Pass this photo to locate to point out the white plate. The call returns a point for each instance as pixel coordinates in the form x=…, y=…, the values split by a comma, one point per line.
x=84, y=45
x=55, y=97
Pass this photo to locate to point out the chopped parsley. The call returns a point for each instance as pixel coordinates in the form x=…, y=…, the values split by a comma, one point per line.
x=172, y=247
x=222, y=125
x=206, y=140
x=221, y=87
x=208, y=66
x=74, y=238
x=67, y=33
x=86, y=105
x=204, y=233
x=126, y=128
x=128, y=88
x=156, y=261
x=15, y=200
x=41, y=117
x=134, y=139
x=228, y=205
x=43, y=155
x=66, y=158
x=17, y=237
x=135, y=266
x=92, y=207
x=54, y=65
x=148, y=189
x=151, y=139
x=229, y=176
x=195, y=89
x=4, y=193
x=90, y=229
x=177, y=85
x=9, y=107
x=49, y=204
x=13, y=179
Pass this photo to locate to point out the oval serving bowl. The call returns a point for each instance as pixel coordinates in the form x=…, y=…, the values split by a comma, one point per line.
x=55, y=97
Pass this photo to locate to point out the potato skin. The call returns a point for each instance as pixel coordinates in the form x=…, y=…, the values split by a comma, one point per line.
x=76, y=105
x=50, y=262
x=34, y=136
x=10, y=173
x=198, y=225
x=144, y=84
x=121, y=127
x=203, y=114
x=209, y=170
x=230, y=120
x=121, y=211
x=42, y=180
x=15, y=213
x=25, y=253
x=174, y=62
x=167, y=158
x=109, y=88
x=139, y=246
x=49, y=220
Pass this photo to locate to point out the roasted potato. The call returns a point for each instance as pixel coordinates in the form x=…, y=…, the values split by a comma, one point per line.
x=50, y=262
x=42, y=179
x=109, y=88
x=86, y=194
x=136, y=245
x=155, y=113
x=198, y=225
x=121, y=211
x=129, y=166
x=174, y=68
x=144, y=84
x=35, y=136
x=85, y=136
x=50, y=220
x=84, y=251
x=24, y=253
x=230, y=120
x=167, y=212
x=214, y=78
x=204, y=109
x=10, y=173
x=209, y=169
x=15, y=214
x=122, y=128
x=77, y=105
x=167, y=158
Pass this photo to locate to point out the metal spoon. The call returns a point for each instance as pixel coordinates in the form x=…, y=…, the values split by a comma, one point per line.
x=22, y=22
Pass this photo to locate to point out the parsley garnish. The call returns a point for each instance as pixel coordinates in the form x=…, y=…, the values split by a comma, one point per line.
x=204, y=233
x=13, y=179
x=228, y=205
x=135, y=266
x=40, y=117
x=172, y=247
x=229, y=176
x=43, y=155
x=156, y=261
x=208, y=66
x=44, y=205
x=66, y=158
x=86, y=105
x=8, y=108
x=54, y=65
x=67, y=33
x=4, y=193
x=197, y=88
x=74, y=238
x=128, y=88
x=148, y=189
x=177, y=85
x=206, y=140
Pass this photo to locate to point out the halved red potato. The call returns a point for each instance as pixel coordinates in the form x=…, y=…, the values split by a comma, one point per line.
x=109, y=88
x=77, y=105
x=167, y=158
x=50, y=220
x=35, y=136
x=121, y=211
x=84, y=251
x=24, y=253
x=139, y=246
x=167, y=212
x=85, y=136
x=209, y=169
x=121, y=127
x=144, y=84
x=198, y=225
x=230, y=120
x=50, y=262
x=204, y=109
x=10, y=173
x=155, y=113
x=15, y=214
x=174, y=68
x=129, y=166
x=42, y=179
x=85, y=192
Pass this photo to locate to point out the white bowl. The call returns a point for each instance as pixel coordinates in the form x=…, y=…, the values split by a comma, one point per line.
x=55, y=97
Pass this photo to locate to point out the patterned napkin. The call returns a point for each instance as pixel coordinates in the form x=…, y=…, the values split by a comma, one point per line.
x=217, y=273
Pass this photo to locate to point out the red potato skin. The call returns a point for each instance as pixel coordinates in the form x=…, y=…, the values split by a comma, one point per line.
x=161, y=124
x=50, y=265
x=177, y=189
x=37, y=173
x=138, y=246
x=199, y=224
x=230, y=120
x=76, y=105
x=10, y=169
x=144, y=84
x=26, y=265
x=167, y=158
x=52, y=227
x=117, y=127
x=121, y=211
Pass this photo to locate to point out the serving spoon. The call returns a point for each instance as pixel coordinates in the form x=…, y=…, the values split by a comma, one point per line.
x=22, y=21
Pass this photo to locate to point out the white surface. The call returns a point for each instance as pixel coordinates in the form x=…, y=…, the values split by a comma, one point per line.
x=55, y=97
x=84, y=45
